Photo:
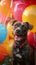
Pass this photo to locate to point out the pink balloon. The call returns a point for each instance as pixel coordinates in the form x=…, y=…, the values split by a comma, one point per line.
x=18, y=12
x=2, y=18
x=17, y=9
x=14, y=3
x=31, y=37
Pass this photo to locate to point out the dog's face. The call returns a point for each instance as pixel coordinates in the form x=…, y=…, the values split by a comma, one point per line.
x=21, y=28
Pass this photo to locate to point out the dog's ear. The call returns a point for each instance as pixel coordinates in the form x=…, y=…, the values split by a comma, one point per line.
x=13, y=22
x=28, y=25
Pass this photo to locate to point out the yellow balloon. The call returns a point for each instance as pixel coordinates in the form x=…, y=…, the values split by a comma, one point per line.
x=29, y=15
x=9, y=29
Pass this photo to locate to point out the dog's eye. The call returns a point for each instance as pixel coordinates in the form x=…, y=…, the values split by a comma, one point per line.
x=17, y=25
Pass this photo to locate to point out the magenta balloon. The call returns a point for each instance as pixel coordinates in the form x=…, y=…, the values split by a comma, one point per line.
x=18, y=10
x=14, y=4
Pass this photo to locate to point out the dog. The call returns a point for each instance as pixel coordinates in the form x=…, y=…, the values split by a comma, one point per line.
x=22, y=51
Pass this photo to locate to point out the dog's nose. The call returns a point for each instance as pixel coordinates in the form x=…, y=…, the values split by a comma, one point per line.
x=22, y=26
x=18, y=31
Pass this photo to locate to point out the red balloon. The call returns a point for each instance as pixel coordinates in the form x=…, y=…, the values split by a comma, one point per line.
x=2, y=53
x=30, y=2
x=25, y=1
x=31, y=37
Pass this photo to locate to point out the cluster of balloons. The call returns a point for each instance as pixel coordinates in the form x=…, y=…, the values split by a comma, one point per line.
x=6, y=40
x=5, y=43
x=25, y=11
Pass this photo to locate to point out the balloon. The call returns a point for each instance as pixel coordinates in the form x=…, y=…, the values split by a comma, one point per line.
x=26, y=1
x=9, y=47
x=2, y=53
x=3, y=33
x=31, y=37
x=5, y=7
x=5, y=2
x=2, y=18
x=30, y=2
x=29, y=15
x=6, y=40
x=18, y=9
x=13, y=5
x=9, y=29
x=16, y=0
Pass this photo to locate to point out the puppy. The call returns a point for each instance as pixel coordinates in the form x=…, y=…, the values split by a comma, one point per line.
x=22, y=52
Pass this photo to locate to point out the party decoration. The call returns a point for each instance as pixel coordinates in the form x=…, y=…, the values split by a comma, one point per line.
x=18, y=9
x=2, y=53
x=30, y=2
x=2, y=18
x=3, y=33
x=16, y=0
x=5, y=7
x=9, y=47
x=13, y=5
x=31, y=37
x=9, y=29
x=6, y=40
x=29, y=15
x=4, y=2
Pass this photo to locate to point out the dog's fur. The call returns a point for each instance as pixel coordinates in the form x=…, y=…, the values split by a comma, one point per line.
x=22, y=51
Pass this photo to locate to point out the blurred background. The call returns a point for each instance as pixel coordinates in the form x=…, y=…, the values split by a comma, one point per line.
x=21, y=10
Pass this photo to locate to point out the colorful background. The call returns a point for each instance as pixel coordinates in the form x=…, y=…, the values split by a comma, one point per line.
x=23, y=11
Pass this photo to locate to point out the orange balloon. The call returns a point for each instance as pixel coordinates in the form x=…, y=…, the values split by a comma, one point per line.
x=5, y=7
x=8, y=43
x=9, y=47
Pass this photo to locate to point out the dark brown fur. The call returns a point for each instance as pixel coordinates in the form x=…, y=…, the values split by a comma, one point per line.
x=27, y=27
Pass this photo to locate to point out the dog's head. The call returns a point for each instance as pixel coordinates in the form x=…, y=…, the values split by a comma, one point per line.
x=21, y=28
